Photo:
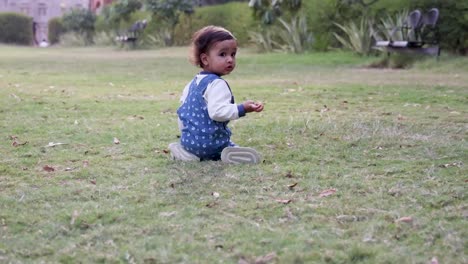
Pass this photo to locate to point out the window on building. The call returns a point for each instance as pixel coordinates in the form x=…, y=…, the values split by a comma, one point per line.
x=24, y=8
x=42, y=10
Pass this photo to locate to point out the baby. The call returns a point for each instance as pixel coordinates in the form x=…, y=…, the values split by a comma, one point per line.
x=207, y=103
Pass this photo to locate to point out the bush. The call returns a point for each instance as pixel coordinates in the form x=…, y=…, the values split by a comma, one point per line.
x=73, y=39
x=80, y=21
x=235, y=16
x=16, y=29
x=323, y=14
x=55, y=30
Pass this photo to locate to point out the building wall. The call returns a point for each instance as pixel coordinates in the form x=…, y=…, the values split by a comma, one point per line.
x=41, y=11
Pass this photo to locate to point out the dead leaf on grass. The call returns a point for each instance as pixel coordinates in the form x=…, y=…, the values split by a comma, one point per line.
x=48, y=168
x=215, y=194
x=53, y=144
x=265, y=259
x=453, y=164
x=211, y=205
x=328, y=192
x=167, y=214
x=434, y=260
x=291, y=186
x=74, y=216
x=324, y=109
x=400, y=117
x=405, y=219
x=85, y=163
x=289, y=175
x=17, y=144
x=259, y=260
x=116, y=141
x=284, y=201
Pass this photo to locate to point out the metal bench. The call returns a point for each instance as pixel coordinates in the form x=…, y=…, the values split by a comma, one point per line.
x=420, y=35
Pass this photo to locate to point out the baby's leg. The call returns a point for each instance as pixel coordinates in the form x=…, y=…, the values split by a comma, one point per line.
x=179, y=153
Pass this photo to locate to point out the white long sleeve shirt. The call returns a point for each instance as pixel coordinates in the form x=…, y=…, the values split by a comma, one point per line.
x=218, y=100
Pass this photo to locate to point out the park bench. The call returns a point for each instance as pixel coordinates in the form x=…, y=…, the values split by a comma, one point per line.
x=420, y=35
x=132, y=34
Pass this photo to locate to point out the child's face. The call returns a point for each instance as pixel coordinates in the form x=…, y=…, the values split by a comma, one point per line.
x=221, y=58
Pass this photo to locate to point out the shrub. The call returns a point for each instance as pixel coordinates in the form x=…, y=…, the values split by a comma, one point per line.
x=80, y=21
x=16, y=29
x=357, y=38
x=73, y=39
x=55, y=30
x=103, y=38
x=322, y=14
x=234, y=16
x=295, y=35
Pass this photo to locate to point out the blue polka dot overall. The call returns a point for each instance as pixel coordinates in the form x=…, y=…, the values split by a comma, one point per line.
x=201, y=135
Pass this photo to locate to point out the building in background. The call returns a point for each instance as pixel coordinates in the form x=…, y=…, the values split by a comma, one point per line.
x=42, y=11
x=97, y=5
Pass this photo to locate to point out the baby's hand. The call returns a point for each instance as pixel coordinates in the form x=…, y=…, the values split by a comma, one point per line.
x=251, y=106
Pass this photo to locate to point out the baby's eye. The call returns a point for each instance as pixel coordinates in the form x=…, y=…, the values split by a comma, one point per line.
x=222, y=54
x=233, y=54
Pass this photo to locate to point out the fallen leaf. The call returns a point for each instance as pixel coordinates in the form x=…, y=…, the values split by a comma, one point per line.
x=265, y=259
x=434, y=260
x=93, y=182
x=328, y=192
x=74, y=216
x=215, y=194
x=48, y=168
x=324, y=109
x=289, y=175
x=85, y=163
x=405, y=219
x=17, y=144
x=283, y=201
x=167, y=214
x=291, y=186
x=52, y=144
x=116, y=141
x=211, y=205
x=453, y=164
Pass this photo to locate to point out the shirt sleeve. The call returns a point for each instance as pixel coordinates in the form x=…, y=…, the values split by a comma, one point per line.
x=218, y=99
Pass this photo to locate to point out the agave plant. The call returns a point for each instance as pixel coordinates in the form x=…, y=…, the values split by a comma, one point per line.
x=390, y=27
x=358, y=38
x=295, y=34
x=263, y=40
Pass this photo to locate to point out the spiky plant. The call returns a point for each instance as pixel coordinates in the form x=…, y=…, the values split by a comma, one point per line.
x=295, y=34
x=357, y=37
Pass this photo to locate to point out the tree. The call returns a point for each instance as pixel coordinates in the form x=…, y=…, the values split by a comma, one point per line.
x=269, y=10
x=168, y=11
x=121, y=11
x=80, y=21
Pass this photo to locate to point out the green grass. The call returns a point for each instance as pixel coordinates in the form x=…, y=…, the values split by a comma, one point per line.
x=392, y=143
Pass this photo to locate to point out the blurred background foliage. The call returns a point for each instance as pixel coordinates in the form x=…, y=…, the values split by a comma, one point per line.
x=269, y=25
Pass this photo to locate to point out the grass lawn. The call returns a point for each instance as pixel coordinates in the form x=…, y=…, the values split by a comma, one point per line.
x=360, y=165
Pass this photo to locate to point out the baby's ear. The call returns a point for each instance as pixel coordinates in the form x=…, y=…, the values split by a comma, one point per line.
x=203, y=59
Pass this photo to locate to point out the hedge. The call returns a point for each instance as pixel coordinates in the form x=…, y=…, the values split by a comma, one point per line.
x=235, y=16
x=16, y=29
